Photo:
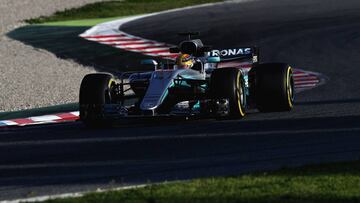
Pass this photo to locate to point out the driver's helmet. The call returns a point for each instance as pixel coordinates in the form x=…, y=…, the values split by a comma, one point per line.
x=184, y=61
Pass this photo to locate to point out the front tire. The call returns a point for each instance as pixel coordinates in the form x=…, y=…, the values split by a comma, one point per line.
x=228, y=92
x=95, y=92
x=274, y=87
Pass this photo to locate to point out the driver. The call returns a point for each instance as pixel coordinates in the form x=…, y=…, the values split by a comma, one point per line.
x=184, y=61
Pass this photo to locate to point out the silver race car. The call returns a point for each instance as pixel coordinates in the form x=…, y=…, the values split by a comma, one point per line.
x=201, y=82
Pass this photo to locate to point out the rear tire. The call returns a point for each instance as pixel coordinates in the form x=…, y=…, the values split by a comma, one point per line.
x=227, y=85
x=274, y=87
x=95, y=91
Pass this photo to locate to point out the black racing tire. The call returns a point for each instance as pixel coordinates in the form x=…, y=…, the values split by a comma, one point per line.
x=95, y=91
x=274, y=87
x=228, y=83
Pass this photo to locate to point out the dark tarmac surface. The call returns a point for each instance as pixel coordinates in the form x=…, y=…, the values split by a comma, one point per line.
x=321, y=36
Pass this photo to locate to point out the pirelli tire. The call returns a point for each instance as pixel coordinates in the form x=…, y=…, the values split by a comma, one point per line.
x=274, y=87
x=227, y=84
x=95, y=91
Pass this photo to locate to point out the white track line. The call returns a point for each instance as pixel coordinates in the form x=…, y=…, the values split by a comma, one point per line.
x=69, y=195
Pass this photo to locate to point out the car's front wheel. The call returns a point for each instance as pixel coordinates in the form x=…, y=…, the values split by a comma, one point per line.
x=95, y=92
x=227, y=90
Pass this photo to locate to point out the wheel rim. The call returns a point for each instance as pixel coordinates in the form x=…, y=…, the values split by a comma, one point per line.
x=290, y=87
x=108, y=92
x=240, y=94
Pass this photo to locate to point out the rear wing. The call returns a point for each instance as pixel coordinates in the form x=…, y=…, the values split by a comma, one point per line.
x=237, y=54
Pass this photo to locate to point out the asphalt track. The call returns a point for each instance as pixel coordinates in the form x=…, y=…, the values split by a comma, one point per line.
x=323, y=36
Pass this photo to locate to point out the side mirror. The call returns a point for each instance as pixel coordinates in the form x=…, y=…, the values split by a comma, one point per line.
x=213, y=59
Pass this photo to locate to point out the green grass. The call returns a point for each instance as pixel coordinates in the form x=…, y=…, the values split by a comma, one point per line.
x=116, y=8
x=322, y=183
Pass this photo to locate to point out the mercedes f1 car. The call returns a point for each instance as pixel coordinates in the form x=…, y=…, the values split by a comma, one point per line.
x=223, y=83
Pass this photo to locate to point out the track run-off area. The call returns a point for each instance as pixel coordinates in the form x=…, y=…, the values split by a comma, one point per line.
x=320, y=36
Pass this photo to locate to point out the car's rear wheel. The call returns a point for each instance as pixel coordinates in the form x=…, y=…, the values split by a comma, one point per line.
x=274, y=87
x=95, y=92
x=227, y=90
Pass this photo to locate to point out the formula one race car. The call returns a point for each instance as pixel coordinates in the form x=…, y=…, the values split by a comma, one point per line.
x=201, y=81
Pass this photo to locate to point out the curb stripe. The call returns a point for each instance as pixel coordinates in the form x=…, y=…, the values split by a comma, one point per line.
x=45, y=118
x=306, y=82
x=121, y=40
x=148, y=48
x=143, y=45
x=306, y=85
x=103, y=36
x=156, y=51
x=22, y=121
x=56, y=118
x=126, y=43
